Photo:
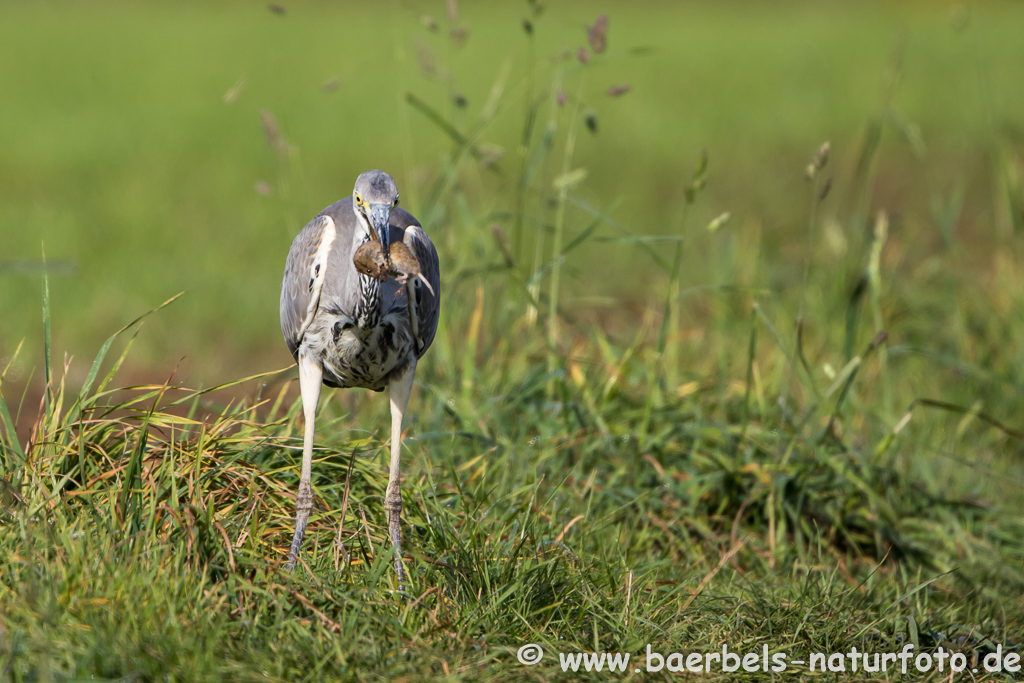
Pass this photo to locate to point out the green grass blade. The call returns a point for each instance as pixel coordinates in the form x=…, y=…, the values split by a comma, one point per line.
x=10, y=437
x=47, y=345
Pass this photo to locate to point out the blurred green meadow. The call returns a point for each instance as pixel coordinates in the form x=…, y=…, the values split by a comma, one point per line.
x=122, y=158
x=699, y=379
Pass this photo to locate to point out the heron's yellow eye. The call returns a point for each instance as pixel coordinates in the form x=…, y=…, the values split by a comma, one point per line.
x=359, y=200
x=396, y=202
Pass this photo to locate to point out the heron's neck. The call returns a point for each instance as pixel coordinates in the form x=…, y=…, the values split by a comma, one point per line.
x=367, y=313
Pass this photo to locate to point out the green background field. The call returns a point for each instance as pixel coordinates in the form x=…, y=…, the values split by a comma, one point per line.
x=121, y=157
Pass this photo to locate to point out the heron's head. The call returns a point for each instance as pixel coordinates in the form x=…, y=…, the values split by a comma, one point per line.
x=374, y=196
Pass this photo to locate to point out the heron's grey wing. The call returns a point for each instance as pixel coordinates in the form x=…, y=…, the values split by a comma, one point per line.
x=304, y=274
x=427, y=306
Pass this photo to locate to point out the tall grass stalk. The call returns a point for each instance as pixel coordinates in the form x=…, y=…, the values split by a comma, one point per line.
x=881, y=233
x=657, y=365
x=47, y=342
x=541, y=158
x=563, y=184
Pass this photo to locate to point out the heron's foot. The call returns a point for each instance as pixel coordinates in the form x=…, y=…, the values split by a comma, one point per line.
x=393, y=508
x=404, y=280
x=303, y=505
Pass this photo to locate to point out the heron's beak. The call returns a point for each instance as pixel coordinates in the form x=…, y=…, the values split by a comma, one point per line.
x=380, y=217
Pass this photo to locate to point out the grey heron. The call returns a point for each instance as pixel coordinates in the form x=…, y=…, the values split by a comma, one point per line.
x=350, y=329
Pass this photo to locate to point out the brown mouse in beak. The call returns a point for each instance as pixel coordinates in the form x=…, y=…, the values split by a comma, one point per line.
x=369, y=260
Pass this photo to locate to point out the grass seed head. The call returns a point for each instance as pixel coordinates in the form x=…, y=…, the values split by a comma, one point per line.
x=597, y=35
x=821, y=156
x=429, y=23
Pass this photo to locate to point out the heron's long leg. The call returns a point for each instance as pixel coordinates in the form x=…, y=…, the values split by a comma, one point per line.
x=311, y=376
x=399, y=388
